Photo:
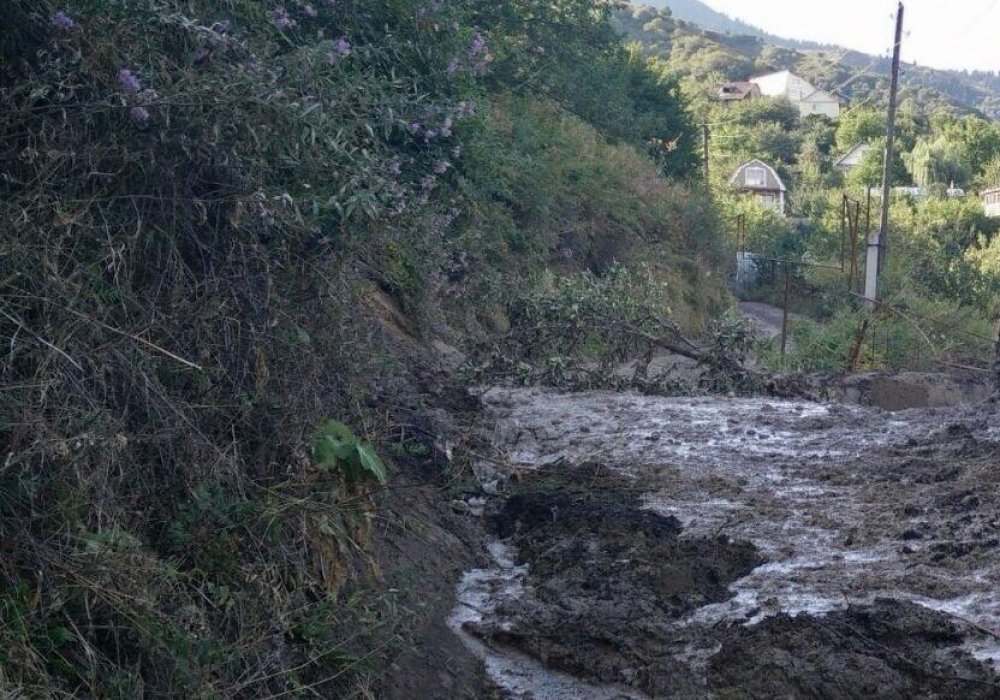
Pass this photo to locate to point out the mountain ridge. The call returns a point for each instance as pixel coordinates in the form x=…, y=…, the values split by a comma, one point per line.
x=977, y=91
x=696, y=12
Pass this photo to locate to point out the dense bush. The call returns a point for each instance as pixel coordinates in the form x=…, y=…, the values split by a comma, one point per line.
x=209, y=212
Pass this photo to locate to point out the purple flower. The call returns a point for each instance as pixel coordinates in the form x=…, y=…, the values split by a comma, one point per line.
x=478, y=45
x=453, y=65
x=441, y=167
x=394, y=168
x=341, y=49
x=428, y=182
x=128, y=81
x=430, y=135
x=415, y=128
x=202, y=54
x=139, y=115
x=309, y=10
x=62, y=21
x=282, y=20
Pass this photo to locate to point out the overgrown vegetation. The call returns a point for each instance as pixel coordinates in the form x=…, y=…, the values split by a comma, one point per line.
x=941, y=288
x=209, y=210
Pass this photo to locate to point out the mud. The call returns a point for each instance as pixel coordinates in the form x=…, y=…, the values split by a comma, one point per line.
x=704, y=547
x=606, y=574
x=889, y=650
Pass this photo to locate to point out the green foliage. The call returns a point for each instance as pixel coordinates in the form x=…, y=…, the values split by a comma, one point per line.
x=916, y=336
x=575, y=331
x=547, y=188
x=202, y=265
x=869, y=172
x=984, y=258
x=575, y=57
x=859, y=126
x=337, y=447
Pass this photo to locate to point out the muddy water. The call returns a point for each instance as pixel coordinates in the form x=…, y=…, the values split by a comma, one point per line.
x=845, y=505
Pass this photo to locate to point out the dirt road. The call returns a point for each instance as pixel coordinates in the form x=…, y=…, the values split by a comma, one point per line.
x=765, y=319
x=705, y=547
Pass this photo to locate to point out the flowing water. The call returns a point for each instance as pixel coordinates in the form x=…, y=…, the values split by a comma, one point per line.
x=845, y=504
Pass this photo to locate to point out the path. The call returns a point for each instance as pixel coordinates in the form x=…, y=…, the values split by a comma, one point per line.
x=765, y=318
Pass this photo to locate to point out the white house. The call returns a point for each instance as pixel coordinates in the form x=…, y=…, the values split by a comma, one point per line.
x=852, y=158
x=759, y=179
x=991, y=202
x=800, y=92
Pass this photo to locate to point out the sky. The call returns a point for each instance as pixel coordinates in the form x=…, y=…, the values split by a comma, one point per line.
x=940, y=34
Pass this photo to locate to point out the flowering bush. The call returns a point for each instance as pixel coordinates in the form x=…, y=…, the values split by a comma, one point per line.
x=203, y=201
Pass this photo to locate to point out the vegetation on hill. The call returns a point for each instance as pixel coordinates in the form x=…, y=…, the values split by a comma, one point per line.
x=943, y=268
x=226, y=227
x=700, y=14
x=711, y=48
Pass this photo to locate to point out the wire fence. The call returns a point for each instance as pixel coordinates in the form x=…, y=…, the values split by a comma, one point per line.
x=884, y=334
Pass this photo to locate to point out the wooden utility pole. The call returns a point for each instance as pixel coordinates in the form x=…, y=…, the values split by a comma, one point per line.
x=704, y=143
x=878, y=244
x=784, y=314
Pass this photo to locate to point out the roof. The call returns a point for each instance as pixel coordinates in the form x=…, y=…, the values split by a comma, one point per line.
x=853, y=156
x=773, y=181
x=778, y=77
x=787, y=84
x=738, y=90
x=821, y=95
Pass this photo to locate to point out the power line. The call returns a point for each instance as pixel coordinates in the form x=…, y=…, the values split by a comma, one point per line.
x=978, y=18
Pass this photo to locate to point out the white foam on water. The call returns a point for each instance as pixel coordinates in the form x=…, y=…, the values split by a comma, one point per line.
x=751, y=469
x=479, y=594
x=981, y=610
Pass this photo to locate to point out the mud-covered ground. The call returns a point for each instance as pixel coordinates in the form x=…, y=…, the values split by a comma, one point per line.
x=709, y=547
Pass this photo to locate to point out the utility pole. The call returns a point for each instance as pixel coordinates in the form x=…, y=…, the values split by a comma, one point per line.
x=878, y=244
x=704, y=143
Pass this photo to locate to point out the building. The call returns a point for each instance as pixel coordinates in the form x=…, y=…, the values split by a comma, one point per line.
x=800, y=92
x=728, y=93
x=759, y=179
x=991, y=202
x=852, y=158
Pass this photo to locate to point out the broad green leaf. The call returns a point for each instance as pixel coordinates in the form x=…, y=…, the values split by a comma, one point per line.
x=371, y=463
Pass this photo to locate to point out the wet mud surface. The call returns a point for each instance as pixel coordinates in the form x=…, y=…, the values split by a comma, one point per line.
x=703, y=547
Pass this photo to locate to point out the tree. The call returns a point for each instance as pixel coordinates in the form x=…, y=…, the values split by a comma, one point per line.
x=941, y=161
x=859, y=126
x=869, y=171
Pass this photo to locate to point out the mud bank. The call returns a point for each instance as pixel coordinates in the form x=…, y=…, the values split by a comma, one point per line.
x=896, y=391
x=744, y=548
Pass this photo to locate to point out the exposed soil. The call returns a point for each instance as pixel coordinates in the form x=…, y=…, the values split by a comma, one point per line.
x=606, y=575
x=890, y=649
x=698, y=548
x=429, y=546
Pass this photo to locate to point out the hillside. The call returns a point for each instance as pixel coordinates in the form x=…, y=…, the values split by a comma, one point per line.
x=243, y=246
x=695, y=12
x=753, y=50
